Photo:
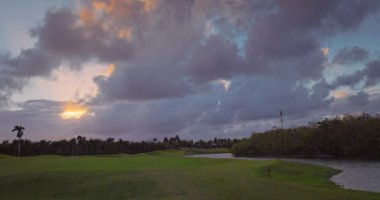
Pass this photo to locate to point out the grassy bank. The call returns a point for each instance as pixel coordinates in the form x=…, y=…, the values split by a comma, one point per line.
x=165, y=175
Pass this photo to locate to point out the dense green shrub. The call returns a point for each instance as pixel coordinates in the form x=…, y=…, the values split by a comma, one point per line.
x=342, y=136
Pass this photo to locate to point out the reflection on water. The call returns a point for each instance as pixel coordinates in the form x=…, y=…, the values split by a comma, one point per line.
x=357, y=175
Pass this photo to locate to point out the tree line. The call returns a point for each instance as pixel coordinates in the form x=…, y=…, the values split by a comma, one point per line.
x=82, y=146
x=348, y=136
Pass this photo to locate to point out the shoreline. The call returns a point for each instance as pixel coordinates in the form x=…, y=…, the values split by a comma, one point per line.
x=361, y=175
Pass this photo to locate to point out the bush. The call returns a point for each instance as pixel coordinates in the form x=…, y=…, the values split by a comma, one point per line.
x=348, y=136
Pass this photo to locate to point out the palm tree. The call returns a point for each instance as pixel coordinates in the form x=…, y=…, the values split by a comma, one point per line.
x=20, y=132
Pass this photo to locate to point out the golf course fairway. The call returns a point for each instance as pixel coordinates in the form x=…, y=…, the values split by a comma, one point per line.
x=165, y=175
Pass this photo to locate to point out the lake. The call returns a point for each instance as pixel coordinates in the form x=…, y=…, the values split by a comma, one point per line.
x=356, y=175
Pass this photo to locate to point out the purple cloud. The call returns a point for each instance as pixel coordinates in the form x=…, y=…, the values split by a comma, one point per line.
x=170, y=57
x=350, y=55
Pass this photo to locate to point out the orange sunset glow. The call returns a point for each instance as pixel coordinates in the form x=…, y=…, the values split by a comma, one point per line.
x=109, y=71
x=73, y=110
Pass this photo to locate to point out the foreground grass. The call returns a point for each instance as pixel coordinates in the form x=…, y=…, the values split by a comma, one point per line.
x=164, y=175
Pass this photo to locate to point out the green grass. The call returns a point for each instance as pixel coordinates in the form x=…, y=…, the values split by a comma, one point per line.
x=4, y=156
x=165, y=175
x=205, y=151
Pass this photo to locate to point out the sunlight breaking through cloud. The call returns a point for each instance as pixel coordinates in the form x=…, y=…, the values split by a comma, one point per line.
x=225, y=83
x=72, y=110
x=110, y=70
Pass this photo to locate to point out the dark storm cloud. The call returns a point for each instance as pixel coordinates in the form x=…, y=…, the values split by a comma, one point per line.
x=216, y=59
x=320, y=92
x=142, y=83
x=283, y=40
x=348, y=80
x=370, y=75
x=160, y=49
x=372, y=72
x=345, y=16
x=170, y=57
x=58, y=34
x=288, y=38
x=263, y=97
x=29, y=63
x=350, y=55
x=61, y=35
x=8, y=83
x=15, y=72
x=361, y=98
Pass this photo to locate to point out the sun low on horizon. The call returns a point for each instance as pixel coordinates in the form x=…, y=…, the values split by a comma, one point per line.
x=73, y=110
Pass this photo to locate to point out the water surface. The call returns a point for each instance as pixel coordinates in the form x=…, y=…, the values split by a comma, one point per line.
x=356, y=175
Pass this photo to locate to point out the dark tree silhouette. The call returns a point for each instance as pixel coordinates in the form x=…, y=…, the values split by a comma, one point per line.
x=20, y=132
x=82, y=146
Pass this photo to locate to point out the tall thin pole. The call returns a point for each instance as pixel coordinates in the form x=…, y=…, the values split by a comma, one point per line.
x=19, y=146
x=282, y=121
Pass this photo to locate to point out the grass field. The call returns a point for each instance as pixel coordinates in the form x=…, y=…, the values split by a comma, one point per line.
x=164, y=175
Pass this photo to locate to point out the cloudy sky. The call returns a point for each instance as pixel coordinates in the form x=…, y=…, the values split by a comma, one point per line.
x=139, y=69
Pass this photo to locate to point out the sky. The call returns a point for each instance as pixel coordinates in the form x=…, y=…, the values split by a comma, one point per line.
x=143, y=69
